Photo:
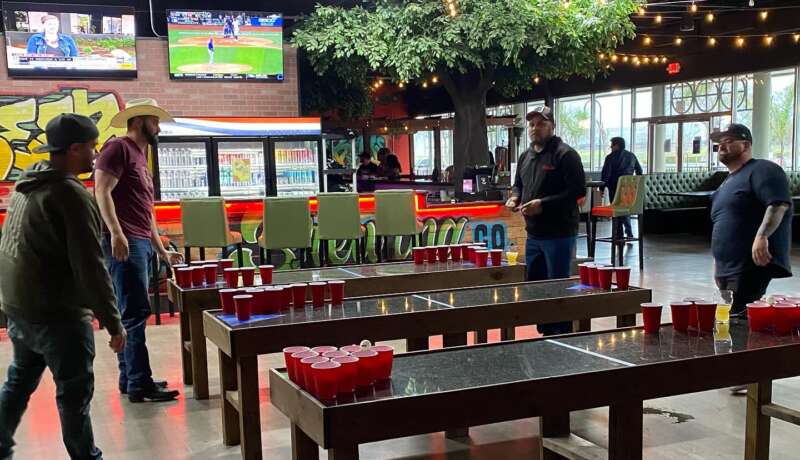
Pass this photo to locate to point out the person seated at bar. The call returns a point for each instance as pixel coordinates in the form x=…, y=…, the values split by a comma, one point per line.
x=391, y=167
x=368, y=170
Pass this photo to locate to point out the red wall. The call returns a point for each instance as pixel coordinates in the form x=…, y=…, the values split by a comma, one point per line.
x=390, y=103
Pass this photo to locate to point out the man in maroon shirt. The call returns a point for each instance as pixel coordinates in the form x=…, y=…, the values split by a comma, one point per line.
x=124, y=191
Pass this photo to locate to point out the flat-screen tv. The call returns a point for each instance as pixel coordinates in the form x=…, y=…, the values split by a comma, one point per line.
x=45, y=40
x=225, y=45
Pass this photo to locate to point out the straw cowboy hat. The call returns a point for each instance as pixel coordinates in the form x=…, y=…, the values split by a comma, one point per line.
x=139, y=108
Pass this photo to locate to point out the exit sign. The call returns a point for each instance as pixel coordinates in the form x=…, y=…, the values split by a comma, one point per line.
x=674, y=68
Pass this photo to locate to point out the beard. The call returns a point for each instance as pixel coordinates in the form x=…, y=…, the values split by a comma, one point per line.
x=151, y=137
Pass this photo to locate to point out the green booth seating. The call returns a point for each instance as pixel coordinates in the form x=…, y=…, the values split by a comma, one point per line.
x=205, y=225
x=395, y=215
x=628, y=202
x=339, y=218
x=287, y=225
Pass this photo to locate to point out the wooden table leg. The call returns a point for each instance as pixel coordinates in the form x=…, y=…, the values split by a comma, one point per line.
x=199, y=355
x=417, y=343
x=230, y=415
x=343, y=453
x=186, y=355
x=249, y=415
x=625, y=431
x=481, y=336
x=455, y=340
x=756, y=440
x=626, y=320
x=552, y=426
x=582, y=325
x=303, y=447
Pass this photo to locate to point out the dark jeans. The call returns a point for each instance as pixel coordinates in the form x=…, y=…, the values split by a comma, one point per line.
x=68, y=351
x=624, y=221
x=130, y=279
x=747, y=287
x=549, y=259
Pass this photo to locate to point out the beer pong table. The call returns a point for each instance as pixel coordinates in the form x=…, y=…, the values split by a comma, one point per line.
x=362, y=280
x=451, y=313
x=437, y=390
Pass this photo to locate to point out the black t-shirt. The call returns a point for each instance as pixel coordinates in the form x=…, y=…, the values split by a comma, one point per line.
x=369, y=169
x=738, y=208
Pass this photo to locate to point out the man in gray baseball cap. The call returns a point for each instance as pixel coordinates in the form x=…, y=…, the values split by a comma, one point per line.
x=54, y=282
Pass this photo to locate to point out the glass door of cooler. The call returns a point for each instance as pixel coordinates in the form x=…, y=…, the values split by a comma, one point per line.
x=182, y=169
x=242, y=169
x=296, y=167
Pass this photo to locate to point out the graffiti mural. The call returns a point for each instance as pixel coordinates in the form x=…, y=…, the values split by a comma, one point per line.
x=24, y=117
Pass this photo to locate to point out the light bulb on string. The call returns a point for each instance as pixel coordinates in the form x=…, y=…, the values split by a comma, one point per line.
x=693, y=8
x=614, y=58
x=763, y=15
x=796, y=38
x=768, y=40
x=647, y=41
x=678, y=41
x=647, y=59
x=710, y=17
x=424, y=84
x=712, y=41
x=536, y=80
x=663, y=59
x=658, y=19
x=435, y=79
x=602, y=56
x=625, y=59
x=641, y=12
x=740, y=42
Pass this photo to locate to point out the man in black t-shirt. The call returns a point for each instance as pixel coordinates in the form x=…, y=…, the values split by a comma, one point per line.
x=752, y=216
x=368, y=169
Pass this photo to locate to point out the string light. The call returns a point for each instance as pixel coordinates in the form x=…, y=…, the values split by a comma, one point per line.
x=424, y=84
x=710, y=17
x=625, y=59
x=536, y=80
x=602, y=56
x=663, y=59
x=678, y=41
x=642, y=12
x=768, y=40
x=796, y=38
x=763, y=15
x=614, y=58
x=435, y=80
x=712, y=41
x=647, y=41
x=647, y=59
x=740, y=42
x=693, y=8
x=401, y=84
x=658, y=19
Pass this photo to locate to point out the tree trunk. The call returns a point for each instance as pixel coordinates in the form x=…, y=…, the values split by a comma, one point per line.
x=470, y=142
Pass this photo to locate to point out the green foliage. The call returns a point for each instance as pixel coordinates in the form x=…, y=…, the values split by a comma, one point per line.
x=780, y=120
x=341, y=88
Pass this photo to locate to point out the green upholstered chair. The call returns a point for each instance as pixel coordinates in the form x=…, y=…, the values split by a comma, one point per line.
x=338, y=218
x=287, y=225
x=205, y=225
x=628, y=202
x=395, y=215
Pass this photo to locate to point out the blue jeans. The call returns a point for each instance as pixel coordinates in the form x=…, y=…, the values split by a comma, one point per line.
x=131, y=282
x=549, y=258
x=67, y=349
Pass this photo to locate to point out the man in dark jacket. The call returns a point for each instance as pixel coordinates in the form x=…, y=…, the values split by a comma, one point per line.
x=619, y=162
x=53, y=280
x=547, y=186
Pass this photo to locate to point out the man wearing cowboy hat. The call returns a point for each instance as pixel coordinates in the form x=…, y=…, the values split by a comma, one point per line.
x=124, y=190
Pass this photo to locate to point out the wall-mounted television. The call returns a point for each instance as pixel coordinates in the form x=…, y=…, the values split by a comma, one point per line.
x=225, y=45
x=45, y=40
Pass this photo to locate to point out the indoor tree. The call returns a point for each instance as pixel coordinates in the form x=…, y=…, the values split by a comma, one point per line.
x=475, y=47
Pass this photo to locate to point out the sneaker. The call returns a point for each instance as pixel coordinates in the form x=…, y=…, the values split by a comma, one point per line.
x=157, y=384
x=154, y=395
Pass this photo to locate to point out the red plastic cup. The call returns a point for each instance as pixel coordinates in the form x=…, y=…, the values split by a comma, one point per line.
x=623, y=277
x=197, y=263
x=348, y=374
x=456, y=251
x=299, y=295
x=226, y=300
x=351, y=348
x=430, y=254
x=366, y=367
x=594, y=275
x=583, y=271
x=225, y=263
x=287, y=359
x=326, y=375
x=467, y=252
x=210, y=271
x=706, y=316
x=419, y=255
x=337, y=291
x=231, y=277
x=318, y=293
x=243, y=306
x=335, y=354
x=481, y=258
x=651, y=314
x=259, y=303
x=442, y=253
x=604, y=276
x=298, y=370
x=273, y=299
x=324, y=349
x=265, y=272
x=680, y=315
x=383, y=368
x=183, y=276
x=305, y=371
x=760, y=317
x=198, y=276
x=497, y=257
x=784, y=318
x=475, y=250
x=248, y=276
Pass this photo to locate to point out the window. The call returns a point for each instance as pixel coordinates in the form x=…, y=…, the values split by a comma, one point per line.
x=574, y=126
x=423, y=153
x=498, y=135
x=781, y=117
x=612, y=118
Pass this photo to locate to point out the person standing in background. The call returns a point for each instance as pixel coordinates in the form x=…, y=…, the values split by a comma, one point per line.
x=619, y=162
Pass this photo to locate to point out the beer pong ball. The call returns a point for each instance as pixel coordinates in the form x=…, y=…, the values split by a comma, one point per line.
x=243, y=306
x=366, y=367
x=226, y=300
x=231, y=277
x=305, y=371
x=287, y=359
x=347, y=374
x=335, y=354
x=384, y=361
x=324, y=349
x=325, y=378
x=337, y=291
x=351, y=348
x=198, y=276
x=265, y=273
x=248, y=276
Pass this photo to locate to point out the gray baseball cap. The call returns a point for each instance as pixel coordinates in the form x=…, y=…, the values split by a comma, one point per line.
x=540, y=111
x=67, y=129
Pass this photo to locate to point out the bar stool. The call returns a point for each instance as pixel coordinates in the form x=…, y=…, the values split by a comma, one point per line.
x=205, y=225
x=395, y=215
x=628, y=202
x=286, y=225
x=338, y=218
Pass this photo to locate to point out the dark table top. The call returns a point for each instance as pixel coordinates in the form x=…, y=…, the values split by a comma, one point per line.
x=390, y=305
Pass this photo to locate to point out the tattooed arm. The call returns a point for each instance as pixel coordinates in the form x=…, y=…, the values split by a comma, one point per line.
x=772, y=219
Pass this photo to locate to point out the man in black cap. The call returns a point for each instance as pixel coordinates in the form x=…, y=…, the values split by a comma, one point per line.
x=53, y=281
x=547, y=186
x=752, y=216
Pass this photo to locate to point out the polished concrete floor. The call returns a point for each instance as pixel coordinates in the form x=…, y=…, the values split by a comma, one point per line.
x=706, y=425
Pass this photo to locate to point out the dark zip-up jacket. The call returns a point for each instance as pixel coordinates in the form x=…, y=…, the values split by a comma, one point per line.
x=618, y=164
x=555, y=176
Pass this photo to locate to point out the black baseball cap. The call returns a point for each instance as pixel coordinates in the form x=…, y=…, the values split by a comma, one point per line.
x=541, y=111
x=67, y=129
x=734, y=130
